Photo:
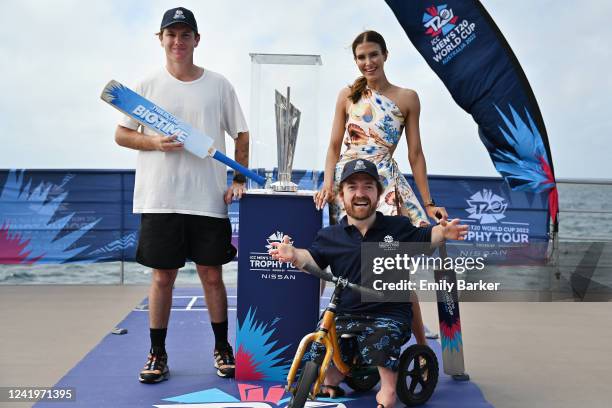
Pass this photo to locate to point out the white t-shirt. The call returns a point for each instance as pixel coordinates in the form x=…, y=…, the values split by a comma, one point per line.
x=180, y=182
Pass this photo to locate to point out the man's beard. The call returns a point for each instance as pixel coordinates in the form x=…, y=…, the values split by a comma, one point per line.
x=360, y=213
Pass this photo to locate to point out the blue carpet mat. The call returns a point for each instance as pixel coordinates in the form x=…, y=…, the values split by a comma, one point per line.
x=108, y=375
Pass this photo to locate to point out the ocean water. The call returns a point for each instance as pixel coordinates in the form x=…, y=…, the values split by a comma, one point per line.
x=101, y=273
x=585, y=212
x=585, y=217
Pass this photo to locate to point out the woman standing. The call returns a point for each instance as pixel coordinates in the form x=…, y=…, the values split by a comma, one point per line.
x=373, y=113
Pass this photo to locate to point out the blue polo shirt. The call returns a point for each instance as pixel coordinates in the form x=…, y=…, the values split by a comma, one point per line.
x=339, y=247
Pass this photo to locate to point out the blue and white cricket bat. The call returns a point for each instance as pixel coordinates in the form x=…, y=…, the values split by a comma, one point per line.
x=160, y=121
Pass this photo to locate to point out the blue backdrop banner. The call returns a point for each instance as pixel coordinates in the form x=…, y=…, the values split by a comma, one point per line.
x=60, y=216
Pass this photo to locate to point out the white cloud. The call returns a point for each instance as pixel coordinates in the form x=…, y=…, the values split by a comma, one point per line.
x=54, y=67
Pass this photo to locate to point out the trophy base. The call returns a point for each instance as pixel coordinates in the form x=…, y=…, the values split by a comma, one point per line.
x=284, y=186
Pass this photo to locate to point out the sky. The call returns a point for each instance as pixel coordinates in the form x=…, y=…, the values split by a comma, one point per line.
x=57, y=56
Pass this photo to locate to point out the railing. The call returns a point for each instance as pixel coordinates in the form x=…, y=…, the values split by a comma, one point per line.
x=584, y=216
x=584, y=213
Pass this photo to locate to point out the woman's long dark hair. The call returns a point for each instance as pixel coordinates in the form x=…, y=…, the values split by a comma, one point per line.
x=360, y=83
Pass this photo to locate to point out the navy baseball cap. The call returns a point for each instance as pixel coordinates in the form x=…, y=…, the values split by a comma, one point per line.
x=360, y=166
x=179, y=15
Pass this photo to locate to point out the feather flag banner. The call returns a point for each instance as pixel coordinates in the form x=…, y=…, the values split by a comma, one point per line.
x=462, y=44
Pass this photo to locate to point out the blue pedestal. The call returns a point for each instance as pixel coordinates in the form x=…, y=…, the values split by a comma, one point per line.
x=277, y=304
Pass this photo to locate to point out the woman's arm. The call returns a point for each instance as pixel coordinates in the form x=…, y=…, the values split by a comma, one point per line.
x=326, y=194
x=416, y=156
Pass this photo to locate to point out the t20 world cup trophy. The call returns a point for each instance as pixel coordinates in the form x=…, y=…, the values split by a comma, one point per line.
x=287, y=125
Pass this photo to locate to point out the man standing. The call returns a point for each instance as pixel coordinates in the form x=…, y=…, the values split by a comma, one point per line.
x=183, y=199
x=339, y=247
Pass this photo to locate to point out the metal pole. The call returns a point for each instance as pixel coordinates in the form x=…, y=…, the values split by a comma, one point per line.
x=121, y=274
x=287, y=131
x=121, y=270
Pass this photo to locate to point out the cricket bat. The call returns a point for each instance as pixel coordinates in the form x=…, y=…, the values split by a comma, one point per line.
x=450, y=323
x=164, y=123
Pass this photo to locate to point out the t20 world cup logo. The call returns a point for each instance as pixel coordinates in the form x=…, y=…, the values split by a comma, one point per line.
x=277, y=236
x=486, y=207
x=439, y=20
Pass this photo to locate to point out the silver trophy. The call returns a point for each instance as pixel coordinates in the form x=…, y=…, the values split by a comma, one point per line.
x=287, y=124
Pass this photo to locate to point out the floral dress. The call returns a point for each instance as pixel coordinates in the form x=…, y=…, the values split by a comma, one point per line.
x=373, y=129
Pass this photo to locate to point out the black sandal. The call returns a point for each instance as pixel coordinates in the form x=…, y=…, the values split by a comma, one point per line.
x=338, y=392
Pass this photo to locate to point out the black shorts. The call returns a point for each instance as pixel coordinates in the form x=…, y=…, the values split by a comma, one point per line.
x=167, y=240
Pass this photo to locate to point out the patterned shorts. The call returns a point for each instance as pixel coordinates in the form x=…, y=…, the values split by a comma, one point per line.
x=377, y=341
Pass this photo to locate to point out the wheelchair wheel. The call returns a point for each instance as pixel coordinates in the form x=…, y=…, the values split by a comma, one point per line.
x=309, y=375
x=417, y=375
x=363, y=382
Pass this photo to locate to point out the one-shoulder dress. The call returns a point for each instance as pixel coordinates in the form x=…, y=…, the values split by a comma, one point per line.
x=373, y=129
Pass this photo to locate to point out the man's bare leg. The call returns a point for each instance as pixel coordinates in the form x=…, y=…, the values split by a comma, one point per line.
x=388, y=383
x=216, y=301
x=214, y=292
x=160, y=302
x=333, y=377
x=160, y=297
x=418, y=328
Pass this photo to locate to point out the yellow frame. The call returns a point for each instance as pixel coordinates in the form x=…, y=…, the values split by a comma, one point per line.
x=326, y=336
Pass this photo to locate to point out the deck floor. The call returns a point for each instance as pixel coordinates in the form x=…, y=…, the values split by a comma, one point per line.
x=519, y=354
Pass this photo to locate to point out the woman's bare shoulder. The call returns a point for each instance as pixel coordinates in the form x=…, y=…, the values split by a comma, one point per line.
x=345, y=91
x=409, y=99
x=406, y=99
x=343, y=98
x=407, y=94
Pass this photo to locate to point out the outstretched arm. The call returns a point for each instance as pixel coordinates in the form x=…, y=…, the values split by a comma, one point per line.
x=300, y=258
x=448, y=230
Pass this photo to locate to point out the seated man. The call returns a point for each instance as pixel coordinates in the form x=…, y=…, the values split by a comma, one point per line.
x=385, y=326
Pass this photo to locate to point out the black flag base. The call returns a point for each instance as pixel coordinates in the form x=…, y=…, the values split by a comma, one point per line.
x=461, y=377
x=431, y=335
